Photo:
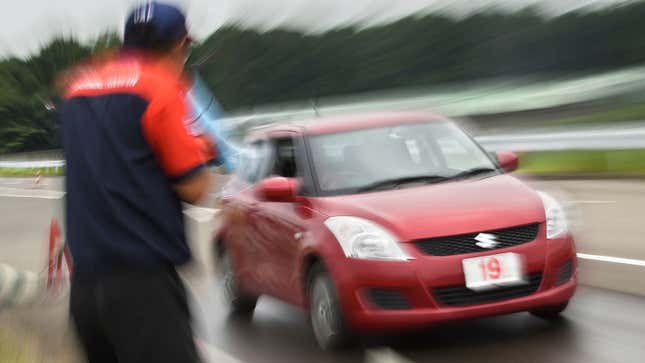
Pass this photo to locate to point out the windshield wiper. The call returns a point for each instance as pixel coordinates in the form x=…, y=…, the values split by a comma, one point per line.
x=395, y=182
x=473, y=172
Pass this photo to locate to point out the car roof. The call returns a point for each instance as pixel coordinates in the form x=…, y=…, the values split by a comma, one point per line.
x=346, y=122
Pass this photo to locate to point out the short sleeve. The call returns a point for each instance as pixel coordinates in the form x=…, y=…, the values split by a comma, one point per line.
x=179, y=153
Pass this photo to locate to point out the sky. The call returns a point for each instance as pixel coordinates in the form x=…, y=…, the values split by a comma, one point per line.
x=26, y=25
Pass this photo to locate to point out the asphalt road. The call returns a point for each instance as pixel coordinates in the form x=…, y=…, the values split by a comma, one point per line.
x=600, y=326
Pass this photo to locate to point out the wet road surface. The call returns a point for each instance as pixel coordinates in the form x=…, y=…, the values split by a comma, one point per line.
x=599, y=326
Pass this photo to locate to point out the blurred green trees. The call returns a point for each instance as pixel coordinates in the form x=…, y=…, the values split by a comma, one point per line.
x=27, y=121
x=248, y=68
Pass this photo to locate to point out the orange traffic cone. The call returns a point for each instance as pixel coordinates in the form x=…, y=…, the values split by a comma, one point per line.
x=54, y=235
x=59, y=264
x=39, y=178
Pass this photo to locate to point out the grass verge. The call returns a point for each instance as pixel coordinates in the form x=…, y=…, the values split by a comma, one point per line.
x=608, y=162
x=12, y=351
x=37, y=335
x=32, y=172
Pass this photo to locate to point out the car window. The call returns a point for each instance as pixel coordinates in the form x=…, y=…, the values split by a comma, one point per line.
x=346, y=162
x=253, y=161
x=284, y=163
x=459, y=152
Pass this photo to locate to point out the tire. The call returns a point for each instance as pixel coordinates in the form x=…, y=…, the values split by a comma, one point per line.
x=550, y=312
x=327, y=321
x=238, y=302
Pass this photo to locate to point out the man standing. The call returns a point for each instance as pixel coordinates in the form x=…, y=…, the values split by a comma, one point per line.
x=130, y=163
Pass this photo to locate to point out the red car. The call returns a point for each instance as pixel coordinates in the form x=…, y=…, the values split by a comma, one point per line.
x=386, y=222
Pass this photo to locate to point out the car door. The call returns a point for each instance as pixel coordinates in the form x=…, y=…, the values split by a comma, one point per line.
x=240, y=203
x=281, y=226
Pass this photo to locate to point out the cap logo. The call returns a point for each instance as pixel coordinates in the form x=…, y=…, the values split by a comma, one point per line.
x=144, y=14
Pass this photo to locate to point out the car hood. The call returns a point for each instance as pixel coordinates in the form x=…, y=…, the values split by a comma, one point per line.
x=464, y=206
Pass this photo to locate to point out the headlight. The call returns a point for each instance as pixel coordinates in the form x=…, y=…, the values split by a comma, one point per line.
x=360, y=238
x=556, y=220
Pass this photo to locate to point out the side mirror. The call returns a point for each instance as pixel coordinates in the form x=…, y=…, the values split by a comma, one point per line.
x=507, y=160
x=277, y=189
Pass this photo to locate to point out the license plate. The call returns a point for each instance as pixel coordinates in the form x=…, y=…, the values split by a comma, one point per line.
x=489, y=272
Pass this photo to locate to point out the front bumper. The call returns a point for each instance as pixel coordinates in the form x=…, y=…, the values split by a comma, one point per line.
x=416, y=280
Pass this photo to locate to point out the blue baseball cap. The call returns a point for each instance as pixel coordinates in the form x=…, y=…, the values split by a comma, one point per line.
x=154, y=24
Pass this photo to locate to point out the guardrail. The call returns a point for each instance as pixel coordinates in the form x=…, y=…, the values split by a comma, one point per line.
x=615, y=138
x=32, y=164
x=623, y=136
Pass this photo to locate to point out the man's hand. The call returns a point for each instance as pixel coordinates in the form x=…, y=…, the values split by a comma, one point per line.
x=195, y=188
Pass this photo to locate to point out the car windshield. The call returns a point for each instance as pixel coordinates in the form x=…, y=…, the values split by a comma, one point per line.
x=389, y=157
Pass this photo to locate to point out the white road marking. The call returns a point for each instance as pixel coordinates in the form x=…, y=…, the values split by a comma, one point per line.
x=12, y=182
x=620, y=260
x=206, y=210
x=201, y=214
x=384, y=355
x=591, y=202
x=30, y=193
x=214, y=355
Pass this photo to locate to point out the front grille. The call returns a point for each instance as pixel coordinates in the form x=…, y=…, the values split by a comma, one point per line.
x=564, y=273
x=462, y=296
x=466, y=243
x=388, y=299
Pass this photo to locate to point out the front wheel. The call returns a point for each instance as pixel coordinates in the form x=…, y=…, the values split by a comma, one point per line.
x=550, y=312
x=238, y=302
x=325, y=312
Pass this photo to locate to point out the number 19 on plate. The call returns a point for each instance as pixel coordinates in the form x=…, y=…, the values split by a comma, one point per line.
x=489, y=272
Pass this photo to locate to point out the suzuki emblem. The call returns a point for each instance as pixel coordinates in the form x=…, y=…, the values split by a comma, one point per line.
x=486, y=240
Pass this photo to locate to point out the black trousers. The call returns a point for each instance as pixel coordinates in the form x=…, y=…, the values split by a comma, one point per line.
x=132, y=316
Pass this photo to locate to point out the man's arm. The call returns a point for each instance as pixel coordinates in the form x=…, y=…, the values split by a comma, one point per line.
x=194, y=189
x=182, y=156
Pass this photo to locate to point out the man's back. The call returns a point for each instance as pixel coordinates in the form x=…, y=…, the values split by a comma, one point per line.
x=130, y=160
x=125, y=147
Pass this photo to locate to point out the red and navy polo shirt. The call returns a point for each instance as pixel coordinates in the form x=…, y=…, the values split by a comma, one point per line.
x=126, y=143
